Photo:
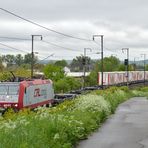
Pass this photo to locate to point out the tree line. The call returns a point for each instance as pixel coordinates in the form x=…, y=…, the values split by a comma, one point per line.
x=55, y=70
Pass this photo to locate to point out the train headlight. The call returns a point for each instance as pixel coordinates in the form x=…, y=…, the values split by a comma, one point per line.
x=7, y=97
x=16, y=105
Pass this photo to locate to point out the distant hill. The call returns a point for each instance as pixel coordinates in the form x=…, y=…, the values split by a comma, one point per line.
x=141, y=62
x=69, y=61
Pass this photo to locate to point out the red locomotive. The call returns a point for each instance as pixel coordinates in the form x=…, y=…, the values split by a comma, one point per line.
x=24, y=94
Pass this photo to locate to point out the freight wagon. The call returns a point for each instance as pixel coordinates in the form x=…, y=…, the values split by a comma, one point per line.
x=18, y=95
x=115, y=78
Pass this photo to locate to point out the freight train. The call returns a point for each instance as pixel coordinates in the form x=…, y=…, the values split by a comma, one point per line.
x=38, y=92
x=33, y=93
x=120, y=78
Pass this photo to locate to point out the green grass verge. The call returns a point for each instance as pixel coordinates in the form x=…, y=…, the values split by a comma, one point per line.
x=62, y=126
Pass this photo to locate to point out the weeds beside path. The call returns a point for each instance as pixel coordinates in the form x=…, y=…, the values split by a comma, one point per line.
x=62, y=126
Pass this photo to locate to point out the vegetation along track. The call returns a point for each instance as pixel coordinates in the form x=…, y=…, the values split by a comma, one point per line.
x=67, y=123
x=73, y=94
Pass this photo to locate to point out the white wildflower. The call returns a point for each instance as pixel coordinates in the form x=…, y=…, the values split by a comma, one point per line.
x=56, y=136
x=92, y=103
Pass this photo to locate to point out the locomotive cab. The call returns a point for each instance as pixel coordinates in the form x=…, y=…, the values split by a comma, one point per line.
x=9, y=93
x=26, y=94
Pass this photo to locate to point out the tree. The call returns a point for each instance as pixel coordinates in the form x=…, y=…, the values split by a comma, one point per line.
x=53, y=72
x=66, y=84
x=121, y=67
x=19, y=60
x=92, y=79
x=61, y=86
x=38, y=67
x=77, y=63
x=1, y=64
x=61, y=63
x=109, y=64
x=28, y=59
x=9, y=59
x=21, y=72
x=1, y=67
x=26, y=66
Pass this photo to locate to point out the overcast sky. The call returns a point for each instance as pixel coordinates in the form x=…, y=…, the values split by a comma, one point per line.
x=123, y=23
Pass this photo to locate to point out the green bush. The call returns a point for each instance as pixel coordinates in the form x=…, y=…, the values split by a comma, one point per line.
x=5, y=76
x=143, y=89
x=66, y=84
x=61, y=86
x=22, y=72
x=92, y=79
x=53, y=72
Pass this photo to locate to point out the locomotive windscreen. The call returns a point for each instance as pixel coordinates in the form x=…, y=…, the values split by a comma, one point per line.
x=9, y=92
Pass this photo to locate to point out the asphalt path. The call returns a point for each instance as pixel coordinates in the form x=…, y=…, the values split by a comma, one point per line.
x=127, y=128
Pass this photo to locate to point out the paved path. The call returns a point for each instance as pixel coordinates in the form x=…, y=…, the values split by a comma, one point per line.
x=128, y=128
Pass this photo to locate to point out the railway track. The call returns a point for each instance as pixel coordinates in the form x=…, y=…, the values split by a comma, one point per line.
x=59, y=98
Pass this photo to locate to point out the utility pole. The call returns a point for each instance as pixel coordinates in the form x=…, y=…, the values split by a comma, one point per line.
x=127, y=64
x=32, y=54
x=84, y=65
x=135, y=62
x=101, y=57
x=144, y=56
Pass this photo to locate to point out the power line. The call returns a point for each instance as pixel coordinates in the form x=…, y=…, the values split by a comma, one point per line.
x=105, y=47
x=59, y=46
x=51, y=30
x=27, y=39
x=14, y=38
x=12, y=47
x=46, y=57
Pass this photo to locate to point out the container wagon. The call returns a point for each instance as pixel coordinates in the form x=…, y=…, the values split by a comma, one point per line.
x=120, y=77
x=26, y=94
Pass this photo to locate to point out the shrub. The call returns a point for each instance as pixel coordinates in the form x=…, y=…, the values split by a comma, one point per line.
x=53, y=72
x=22, y=72
x=92, y=79
x=66, y=84
x=5, y=76
x=61, y=86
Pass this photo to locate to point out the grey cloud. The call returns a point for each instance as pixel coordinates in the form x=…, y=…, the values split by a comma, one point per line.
x=123, y=23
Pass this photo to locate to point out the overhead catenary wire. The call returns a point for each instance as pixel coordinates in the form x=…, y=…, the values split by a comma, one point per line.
x=14, y=38
x=51, y=43
x=13, y=48
x=41, y=26
x=105, y=47
x=46, y=57
x=49, y=29
x=60, y=46
x=27, y=39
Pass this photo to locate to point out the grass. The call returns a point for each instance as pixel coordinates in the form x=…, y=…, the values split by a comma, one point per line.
x=62, y=126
